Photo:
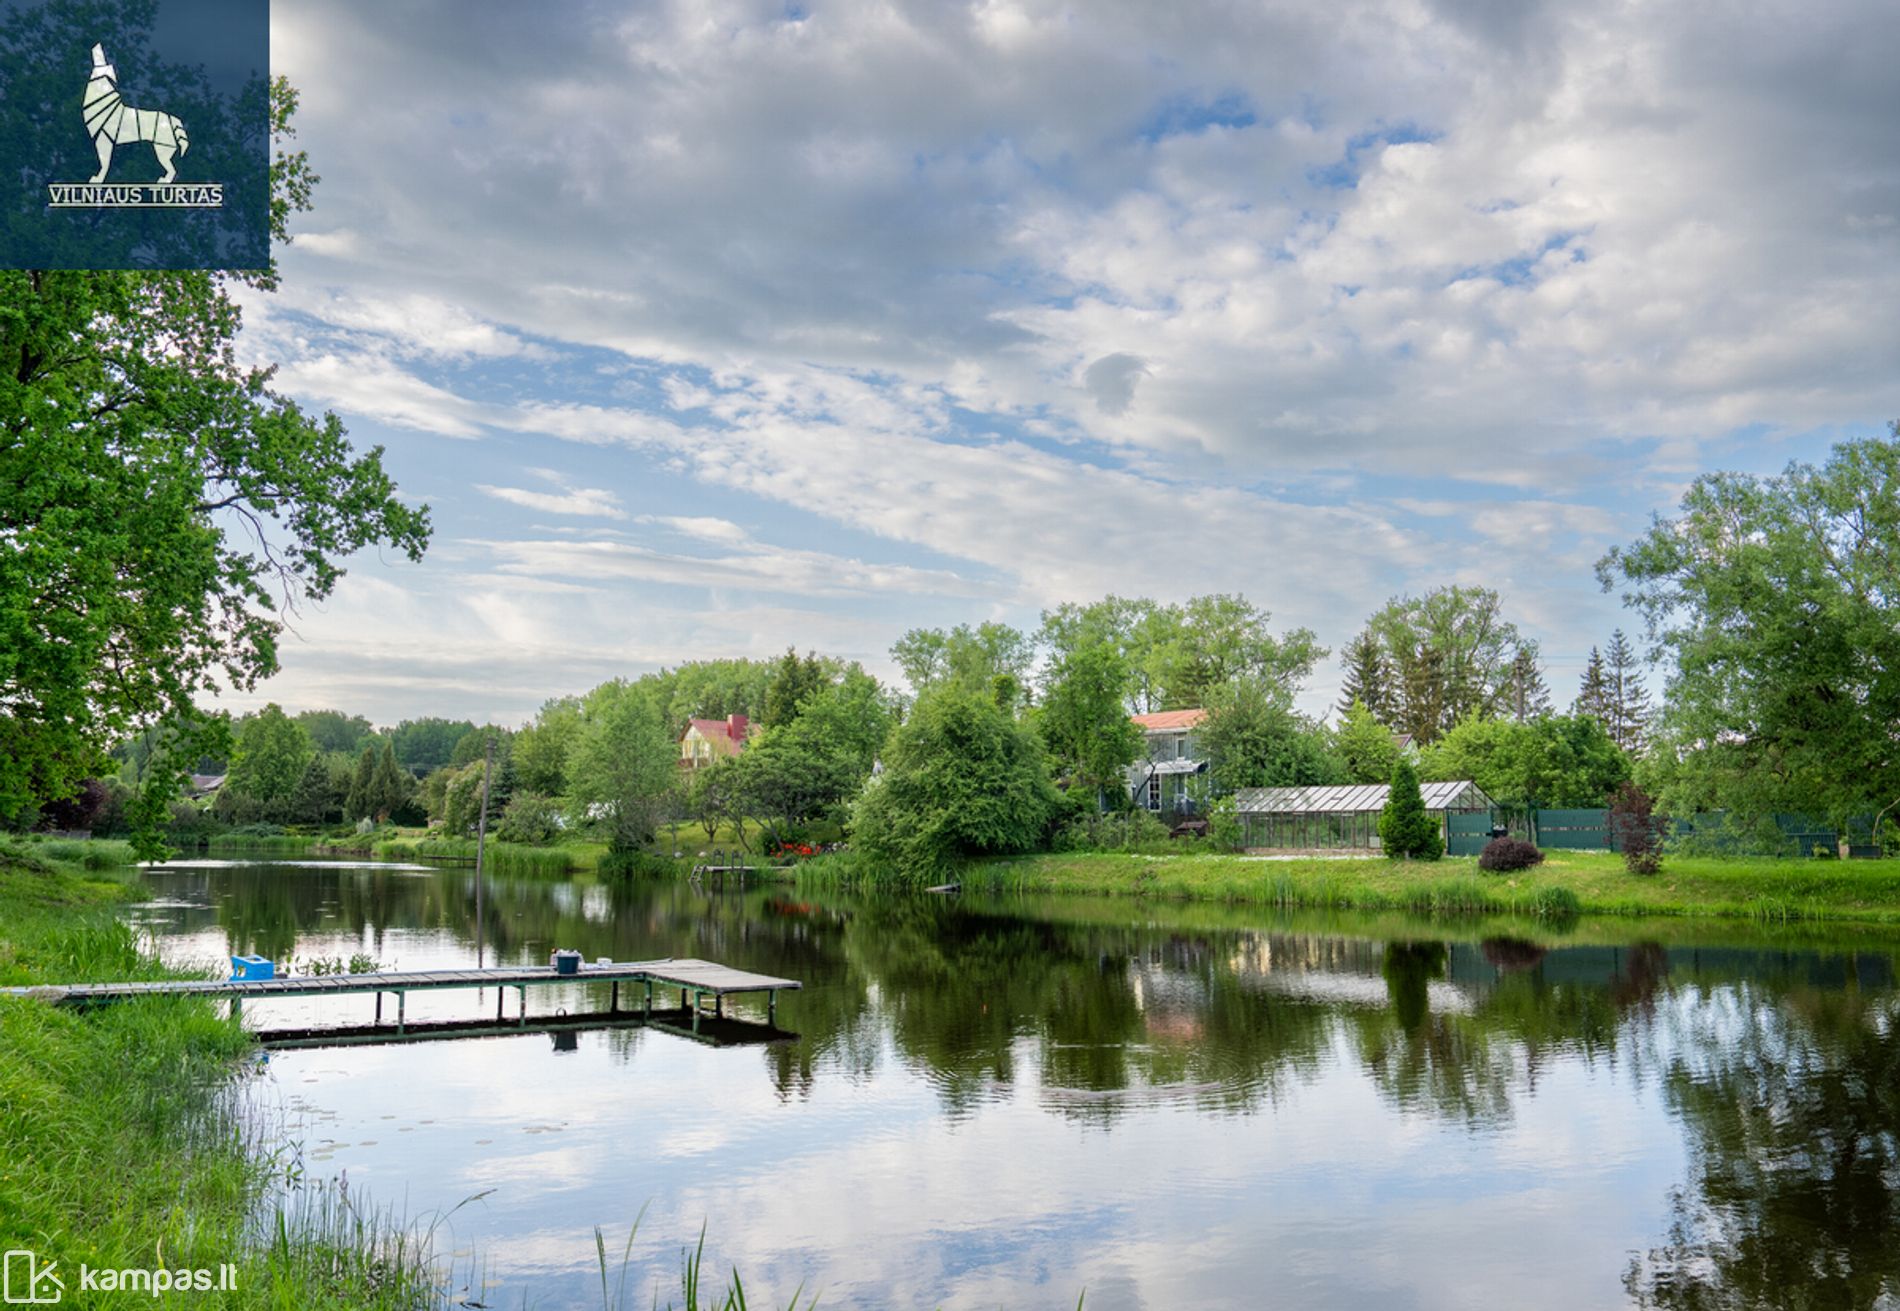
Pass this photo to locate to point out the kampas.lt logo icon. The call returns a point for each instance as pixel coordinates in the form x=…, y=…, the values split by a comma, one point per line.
x=113, y=123
x=25, y=1282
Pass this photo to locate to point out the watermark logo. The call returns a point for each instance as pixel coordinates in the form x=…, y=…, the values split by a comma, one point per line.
x=30, y=1282
x=113, y=123
x=135, y=136
x=25, y=1282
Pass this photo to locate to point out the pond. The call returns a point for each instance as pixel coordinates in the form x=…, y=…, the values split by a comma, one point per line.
x=1008, y=1103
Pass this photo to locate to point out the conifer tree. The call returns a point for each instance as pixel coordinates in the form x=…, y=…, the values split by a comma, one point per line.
x=1368, y=678
x=1593, y=697
x=361, y=800
x=1406, y=829
x=1626, y=699
x=1530, y=696
x=387, y=792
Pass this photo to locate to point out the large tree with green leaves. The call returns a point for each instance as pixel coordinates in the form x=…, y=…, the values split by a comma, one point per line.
x=1254, y=738
x=1178, y=654
x=1084, y=719
x=268, y=761
x=1775, y=596
x=962, y=777
x=429, y=743
x=162, y=509
x=623, y=766
x=966, y=657
x=1364, y=746
x=1453, y=654
x=1556, y=761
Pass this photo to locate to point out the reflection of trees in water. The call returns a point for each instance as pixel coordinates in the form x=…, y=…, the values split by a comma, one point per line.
x=1792, y=1105
x=1471, y=1065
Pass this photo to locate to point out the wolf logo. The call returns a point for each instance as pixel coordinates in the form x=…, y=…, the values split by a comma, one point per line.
x=112, y=122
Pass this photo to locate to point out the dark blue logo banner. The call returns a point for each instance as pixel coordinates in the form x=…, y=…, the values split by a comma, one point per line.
x=134, y=134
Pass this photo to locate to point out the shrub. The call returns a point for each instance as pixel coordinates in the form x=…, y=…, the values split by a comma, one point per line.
x=1636, y=829
x=1406, y=828
x=1225, y=829
x=1501, y=855
x=529, y=818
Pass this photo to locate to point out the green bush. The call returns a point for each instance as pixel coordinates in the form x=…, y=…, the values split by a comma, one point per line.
x=530, y=819
x=1502, y=855
x=1407, y=830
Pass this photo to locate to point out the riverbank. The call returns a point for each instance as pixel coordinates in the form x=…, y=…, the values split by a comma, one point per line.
x=1591, y=883
x=120, y=1146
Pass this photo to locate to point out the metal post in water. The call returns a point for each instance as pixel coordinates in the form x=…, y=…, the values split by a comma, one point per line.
x=481, y=843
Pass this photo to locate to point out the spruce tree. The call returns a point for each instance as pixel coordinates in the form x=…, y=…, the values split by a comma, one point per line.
x=1626, y=699
x=1406, y=829
x=386, y=785
x=1368, y=678
x=1530, y=697
x=1593, y=698
x=361, y=800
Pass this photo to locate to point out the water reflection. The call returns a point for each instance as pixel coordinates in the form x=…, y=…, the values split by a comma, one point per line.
x=991, y=1101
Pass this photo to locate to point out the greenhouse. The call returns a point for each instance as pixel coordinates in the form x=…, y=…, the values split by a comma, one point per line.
x=1338, y=818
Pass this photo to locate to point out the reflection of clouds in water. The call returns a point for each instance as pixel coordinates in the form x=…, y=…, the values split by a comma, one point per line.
x=989, y=1108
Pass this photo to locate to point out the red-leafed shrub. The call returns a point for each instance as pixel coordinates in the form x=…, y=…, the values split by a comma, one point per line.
x=1504, y=854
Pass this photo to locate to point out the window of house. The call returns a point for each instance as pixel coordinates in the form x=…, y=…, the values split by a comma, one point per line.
x=1154, y=791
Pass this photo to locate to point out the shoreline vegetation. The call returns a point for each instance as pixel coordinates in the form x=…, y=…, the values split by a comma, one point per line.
x=1567, y=884
x=125, y=1140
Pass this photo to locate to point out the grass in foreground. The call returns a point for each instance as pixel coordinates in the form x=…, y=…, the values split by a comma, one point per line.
x=1567, y=882
x=124, y=1143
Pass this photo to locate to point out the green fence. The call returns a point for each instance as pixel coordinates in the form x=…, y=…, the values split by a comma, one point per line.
x=1466, y=833
x=1716, y=832
x=1571, y=830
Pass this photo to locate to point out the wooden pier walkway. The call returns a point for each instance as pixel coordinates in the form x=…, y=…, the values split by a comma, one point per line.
x=696, y=980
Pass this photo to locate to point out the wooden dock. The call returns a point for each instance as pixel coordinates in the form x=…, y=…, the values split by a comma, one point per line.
x=697, y=982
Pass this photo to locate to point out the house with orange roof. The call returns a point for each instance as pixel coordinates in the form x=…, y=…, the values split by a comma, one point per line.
x=1171, y=757
x=706, y=741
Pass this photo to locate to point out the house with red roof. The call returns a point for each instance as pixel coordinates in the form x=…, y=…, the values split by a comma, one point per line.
x=1171, y=757
x=706, y=741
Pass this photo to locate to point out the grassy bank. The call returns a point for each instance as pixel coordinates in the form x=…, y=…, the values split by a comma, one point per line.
x=1588, y=882
x=119, y=1141
x=500, y=857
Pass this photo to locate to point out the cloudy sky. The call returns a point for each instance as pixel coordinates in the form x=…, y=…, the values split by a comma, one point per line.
x=715, y=326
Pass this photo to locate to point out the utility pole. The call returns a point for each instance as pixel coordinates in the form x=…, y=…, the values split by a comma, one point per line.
x=481, y=843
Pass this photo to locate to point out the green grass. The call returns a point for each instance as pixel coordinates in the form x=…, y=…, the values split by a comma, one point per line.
x=122, y=1143
x=89, y=853
x=1567, y=883
x=118, y=1140
x=283, y=844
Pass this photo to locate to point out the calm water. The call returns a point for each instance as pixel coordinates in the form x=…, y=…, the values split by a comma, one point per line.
x=1004, y=1104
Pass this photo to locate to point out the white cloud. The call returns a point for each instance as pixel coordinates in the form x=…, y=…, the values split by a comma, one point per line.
x=596, y=502
x=1061, y=301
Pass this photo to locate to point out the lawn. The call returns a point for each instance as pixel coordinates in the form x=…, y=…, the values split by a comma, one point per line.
x=1762, y=889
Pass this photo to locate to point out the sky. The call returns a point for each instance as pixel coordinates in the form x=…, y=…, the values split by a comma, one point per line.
x=713, y=327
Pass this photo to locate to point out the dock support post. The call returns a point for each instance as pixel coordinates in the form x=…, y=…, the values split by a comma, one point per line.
x=237, y=1007
x=719, y=1005
x=614, y=1005
x=771, y=1006
x=500, y=994
x=402, y=999
x=683, y=999
x=379, y=1006
x=695, y=1007
x=649, y=1008
x=523, y=989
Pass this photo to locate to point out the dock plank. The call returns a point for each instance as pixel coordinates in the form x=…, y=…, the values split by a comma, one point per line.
x=690, y=972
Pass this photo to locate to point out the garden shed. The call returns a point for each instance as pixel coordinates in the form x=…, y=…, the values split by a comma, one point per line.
x=1343, y=817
